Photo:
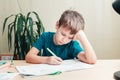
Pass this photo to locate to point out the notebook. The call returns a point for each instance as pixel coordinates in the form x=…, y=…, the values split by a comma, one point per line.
x=45, y=69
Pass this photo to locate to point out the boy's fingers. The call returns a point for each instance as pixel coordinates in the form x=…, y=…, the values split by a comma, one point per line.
x=59, y=59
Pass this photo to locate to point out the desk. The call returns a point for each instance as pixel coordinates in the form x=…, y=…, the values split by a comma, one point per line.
x=102, y=70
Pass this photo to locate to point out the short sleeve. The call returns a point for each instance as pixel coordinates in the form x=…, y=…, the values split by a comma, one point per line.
x=40, y=42
x=76, y=49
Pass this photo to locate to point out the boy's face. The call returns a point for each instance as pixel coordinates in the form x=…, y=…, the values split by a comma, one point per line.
x=63, y=36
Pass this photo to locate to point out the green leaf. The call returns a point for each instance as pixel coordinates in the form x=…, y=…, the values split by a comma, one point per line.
x=24, y=30
x=10, y=28
x=5, y=22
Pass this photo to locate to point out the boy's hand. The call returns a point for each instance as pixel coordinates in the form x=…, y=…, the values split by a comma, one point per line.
x=54, y=60
x=78, y=34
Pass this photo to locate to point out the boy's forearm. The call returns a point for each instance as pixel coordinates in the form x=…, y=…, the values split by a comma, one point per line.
x=32, y=57
x=88, y=49
x=36, y=59
x=43, y=60
x=85, y=43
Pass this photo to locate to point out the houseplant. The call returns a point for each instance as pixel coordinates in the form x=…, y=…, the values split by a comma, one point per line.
x=24, y=30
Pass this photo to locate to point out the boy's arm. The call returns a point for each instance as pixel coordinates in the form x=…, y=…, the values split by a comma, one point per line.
x=88, y=55
x=32, y=57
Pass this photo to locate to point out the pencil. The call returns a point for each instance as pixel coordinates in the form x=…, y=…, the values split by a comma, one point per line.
x=51, y=52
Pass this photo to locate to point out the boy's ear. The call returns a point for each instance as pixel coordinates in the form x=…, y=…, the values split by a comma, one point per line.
x=57, y=25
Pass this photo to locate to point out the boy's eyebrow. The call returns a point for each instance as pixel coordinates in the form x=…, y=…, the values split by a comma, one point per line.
x=71, y=35
x=68, y=36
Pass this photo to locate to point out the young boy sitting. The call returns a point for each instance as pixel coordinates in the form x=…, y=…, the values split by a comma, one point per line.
x=64, y=43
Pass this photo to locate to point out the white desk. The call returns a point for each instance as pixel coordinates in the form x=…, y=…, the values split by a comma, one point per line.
x=102, y=70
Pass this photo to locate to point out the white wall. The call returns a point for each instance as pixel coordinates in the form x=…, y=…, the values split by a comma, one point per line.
x=102, y=23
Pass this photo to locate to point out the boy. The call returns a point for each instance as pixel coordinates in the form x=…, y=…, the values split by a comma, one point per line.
x=64, y=42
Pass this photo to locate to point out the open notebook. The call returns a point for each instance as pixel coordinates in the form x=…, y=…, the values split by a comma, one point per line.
x=44, y=69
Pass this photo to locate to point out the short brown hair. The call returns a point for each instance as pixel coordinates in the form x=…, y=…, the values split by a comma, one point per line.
x=72, y=20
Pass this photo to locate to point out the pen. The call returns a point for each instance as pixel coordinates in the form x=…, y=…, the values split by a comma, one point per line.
x=51, y=52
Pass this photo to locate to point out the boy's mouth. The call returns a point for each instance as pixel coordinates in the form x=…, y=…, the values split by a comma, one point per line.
x=60, y=43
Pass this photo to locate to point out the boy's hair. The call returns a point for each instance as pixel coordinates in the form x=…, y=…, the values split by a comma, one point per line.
x=72, y=20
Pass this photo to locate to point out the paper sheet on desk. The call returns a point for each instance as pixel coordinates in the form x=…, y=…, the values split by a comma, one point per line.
x=43, y=69
x=7, y=76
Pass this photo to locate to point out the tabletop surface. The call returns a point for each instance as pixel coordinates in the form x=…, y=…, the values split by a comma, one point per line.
x=102, y=70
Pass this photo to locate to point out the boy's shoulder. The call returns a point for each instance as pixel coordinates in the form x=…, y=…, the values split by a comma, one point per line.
x=74, y=43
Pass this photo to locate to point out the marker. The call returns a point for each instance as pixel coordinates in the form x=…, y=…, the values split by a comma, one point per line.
x=2, y=63
x=10, y=72
x=56, y=73
x=11, y=63
x=51, y=52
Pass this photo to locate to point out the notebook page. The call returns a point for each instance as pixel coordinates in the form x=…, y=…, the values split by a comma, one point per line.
x=43, y=69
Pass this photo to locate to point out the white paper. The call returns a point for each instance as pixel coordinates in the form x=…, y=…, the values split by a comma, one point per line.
x=43, y=69
x=7, y=76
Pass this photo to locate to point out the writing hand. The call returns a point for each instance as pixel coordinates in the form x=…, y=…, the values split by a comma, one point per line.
x=54, y=60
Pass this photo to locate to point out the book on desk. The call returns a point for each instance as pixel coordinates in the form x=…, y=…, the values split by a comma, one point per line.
x=45, y=69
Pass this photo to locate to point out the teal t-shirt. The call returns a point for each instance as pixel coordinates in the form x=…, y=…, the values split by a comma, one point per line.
x=66, y=51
